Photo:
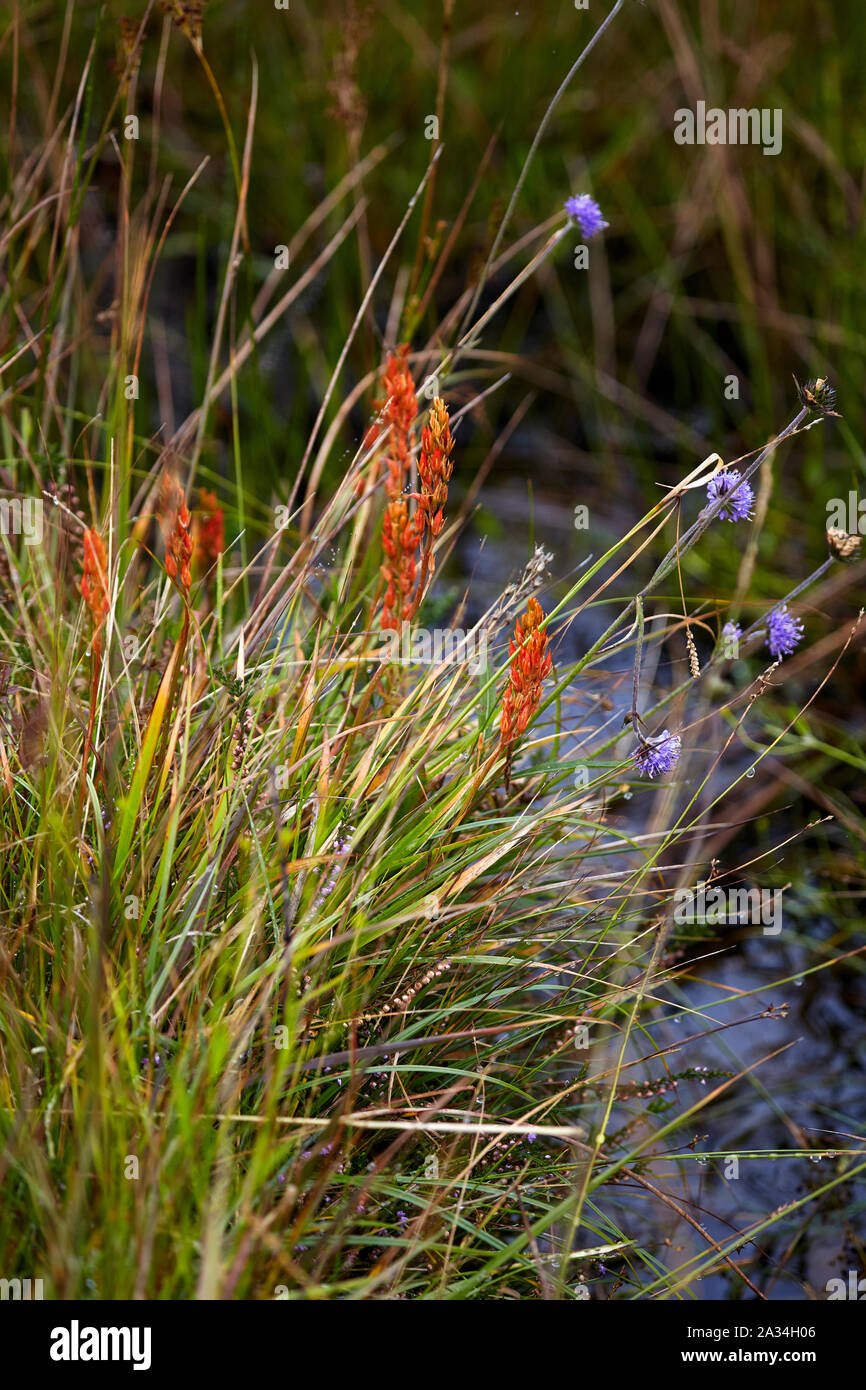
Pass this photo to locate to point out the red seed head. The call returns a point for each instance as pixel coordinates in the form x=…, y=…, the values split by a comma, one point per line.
x=175, y=520
x=530, y=663
x=208, y=531
x=94, y=580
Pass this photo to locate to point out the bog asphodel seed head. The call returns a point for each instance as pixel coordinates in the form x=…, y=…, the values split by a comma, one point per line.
x=94, y=581
x=175, y=519
x=530, y=663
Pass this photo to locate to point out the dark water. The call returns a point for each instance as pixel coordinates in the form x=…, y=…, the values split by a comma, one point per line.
x=811, y=1095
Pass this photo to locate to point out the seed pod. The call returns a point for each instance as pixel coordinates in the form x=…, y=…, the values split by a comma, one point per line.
x=843, y=546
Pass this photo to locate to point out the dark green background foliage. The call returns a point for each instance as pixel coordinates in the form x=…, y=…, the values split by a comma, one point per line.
x=717, y=260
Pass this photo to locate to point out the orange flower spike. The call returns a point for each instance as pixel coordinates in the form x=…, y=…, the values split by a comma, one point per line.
x=210, y=539
x=396, y=407
x=399, y=542
x=175, y=523
x=530, y=663
x=401, y=407
x=94, y=581
x=401, y=534
x=435, y=467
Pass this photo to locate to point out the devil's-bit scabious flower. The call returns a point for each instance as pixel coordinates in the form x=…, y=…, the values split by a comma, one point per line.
x=94, y=582
x=657, y=754
x=530, y=663
x=784, y=632
x=586, y=212
x=741, y=499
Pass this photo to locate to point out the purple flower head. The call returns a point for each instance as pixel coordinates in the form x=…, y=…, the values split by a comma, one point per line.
x=659, y=754
x=741, y=498
x=784, y=633
x=587, y=214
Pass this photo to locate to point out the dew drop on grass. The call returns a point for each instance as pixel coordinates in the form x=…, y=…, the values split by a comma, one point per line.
x=750, y=772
